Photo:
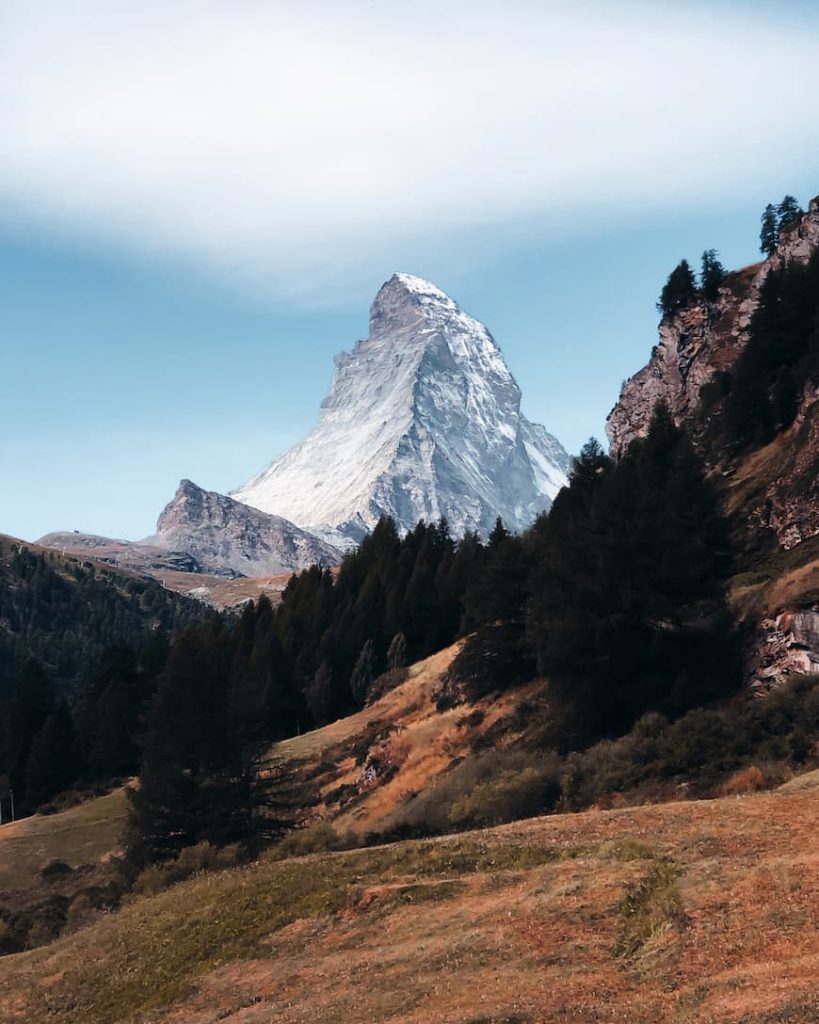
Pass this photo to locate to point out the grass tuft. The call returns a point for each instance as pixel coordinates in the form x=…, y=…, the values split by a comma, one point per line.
x=649, y=906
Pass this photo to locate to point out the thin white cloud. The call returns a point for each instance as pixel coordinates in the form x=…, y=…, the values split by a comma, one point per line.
x=280, y=141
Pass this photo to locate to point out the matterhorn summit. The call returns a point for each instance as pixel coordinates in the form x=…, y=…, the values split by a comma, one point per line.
x=422, y=420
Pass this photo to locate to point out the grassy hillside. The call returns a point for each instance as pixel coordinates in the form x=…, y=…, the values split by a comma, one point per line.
x=687, y=912
x=79, y=836
x=365, y=767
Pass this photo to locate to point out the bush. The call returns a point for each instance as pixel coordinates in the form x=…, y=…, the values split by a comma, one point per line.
x=510, y=796
x=56, y=869
x=738, y=748
x=193, y=860
x=320, y=837
x=488, y=789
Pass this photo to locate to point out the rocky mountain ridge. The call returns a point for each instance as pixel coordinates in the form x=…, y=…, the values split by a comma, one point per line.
x=771, y=490
x=703, y=340
x=422, y=420
x=223, y=534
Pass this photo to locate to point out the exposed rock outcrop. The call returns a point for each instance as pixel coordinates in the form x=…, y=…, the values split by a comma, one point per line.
x=702, y=340
x=785, y=645
x=221, y=533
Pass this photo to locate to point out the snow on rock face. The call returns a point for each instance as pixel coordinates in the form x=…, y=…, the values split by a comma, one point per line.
x=422, y=420
x=221, y=534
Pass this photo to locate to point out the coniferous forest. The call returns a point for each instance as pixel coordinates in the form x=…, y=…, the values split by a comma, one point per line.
x=617, y=597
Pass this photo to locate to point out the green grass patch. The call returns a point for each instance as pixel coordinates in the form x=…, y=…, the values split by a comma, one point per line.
x=157, y=946
x=652, y=904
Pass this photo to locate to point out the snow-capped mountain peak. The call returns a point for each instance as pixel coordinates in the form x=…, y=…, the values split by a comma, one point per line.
x=422, y=420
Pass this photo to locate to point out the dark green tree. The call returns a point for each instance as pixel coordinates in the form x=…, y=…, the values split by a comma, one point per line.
x=628, y=611
x=679, y=292
x=320, y=695
x=712, y=275
x=397, y=652
x=363, y=674
x=53, y=765
x=769, y=233
x=31, y=703
x=788, y=211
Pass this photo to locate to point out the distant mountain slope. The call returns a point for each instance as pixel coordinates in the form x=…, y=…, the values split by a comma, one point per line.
x=203, y=540
x=422, y=420
x=65, y=610
x=221, y=533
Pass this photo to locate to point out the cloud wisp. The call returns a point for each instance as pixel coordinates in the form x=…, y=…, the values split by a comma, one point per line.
x=280, y=142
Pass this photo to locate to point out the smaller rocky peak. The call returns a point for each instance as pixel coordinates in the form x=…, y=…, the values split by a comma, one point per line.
x=189, y=504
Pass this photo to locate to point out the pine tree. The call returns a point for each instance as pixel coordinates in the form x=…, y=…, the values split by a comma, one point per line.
x=52, y=763
x=628, y=611
x=788, y=211
x=29, y=706
x=712, y=275
x=397, y=652
x=679, y=292
x=769, y=234
x=363, y=674
x=320, y=698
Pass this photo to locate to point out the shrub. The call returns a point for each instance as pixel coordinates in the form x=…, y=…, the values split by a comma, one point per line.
x=508, y=797
x=192, y=860
x=55, y=869
x=491, y=788
x=649, y=906
x=320, y=837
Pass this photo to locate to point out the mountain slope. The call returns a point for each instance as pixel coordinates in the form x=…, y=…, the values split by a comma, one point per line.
x=686, y=913
x=767, y=470
x=64, y=610
x=221, y=533
x=422, y=420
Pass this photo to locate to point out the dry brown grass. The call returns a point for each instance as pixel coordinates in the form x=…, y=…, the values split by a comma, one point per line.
x=80, y=835
x=418, y=743
x=688, y=913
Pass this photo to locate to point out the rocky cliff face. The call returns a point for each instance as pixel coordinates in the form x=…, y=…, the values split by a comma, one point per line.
x=774, y=489
x=220, y=533
x=422, y=420
x=702, y=340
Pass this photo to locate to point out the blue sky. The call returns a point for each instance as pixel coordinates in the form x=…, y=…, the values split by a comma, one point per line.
x=199, y=201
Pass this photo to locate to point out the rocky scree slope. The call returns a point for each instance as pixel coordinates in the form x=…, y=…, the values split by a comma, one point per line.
x=422, y=420
x=772, y=490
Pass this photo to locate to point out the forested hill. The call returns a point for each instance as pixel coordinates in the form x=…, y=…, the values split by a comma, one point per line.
x=65, y=611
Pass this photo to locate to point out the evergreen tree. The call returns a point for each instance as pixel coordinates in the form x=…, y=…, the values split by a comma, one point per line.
x=108, y=715
x=397, y=652
x=628, y=611
x=204, y=773
x=679, y=292
x=712, y=275
x=788, y=211
x=769, y=234
x=29, y=706
x=320, y=697
x=363, y=674
x=52, y=762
